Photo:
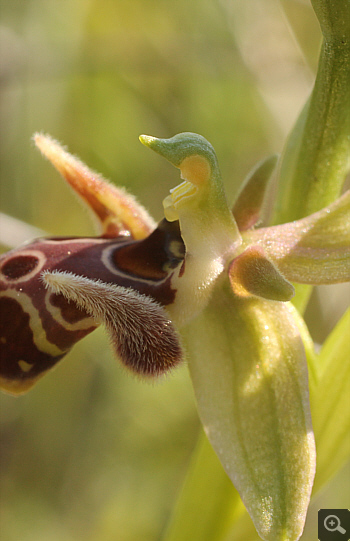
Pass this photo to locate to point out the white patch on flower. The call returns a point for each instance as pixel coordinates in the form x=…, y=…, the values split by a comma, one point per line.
x=267, y=509
x=253, y=383
x=195, y=284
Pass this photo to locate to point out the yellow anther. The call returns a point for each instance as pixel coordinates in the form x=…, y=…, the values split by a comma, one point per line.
x=195, y=169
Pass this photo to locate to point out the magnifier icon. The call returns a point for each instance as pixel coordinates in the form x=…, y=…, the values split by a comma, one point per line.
x=332, y=524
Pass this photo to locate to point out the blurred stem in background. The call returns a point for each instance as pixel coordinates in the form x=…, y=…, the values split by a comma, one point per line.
x=316, y=158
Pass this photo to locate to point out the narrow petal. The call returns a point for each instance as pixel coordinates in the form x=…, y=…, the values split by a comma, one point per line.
x=116, y=210
x=248, y=206
x=314, y=250
x=248, y=367
x=252, y=273
x=140, y=331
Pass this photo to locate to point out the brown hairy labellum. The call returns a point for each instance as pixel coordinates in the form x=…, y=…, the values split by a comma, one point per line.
x=55, y=291
x=141, y=333
x=103, y=283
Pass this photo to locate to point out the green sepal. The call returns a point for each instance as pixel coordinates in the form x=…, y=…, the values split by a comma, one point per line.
x=314, y=250
x=248, y=368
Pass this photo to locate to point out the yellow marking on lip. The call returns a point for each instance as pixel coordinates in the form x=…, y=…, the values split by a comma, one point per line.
x=24, y=366
x=3, y=340
x=40, y=256
x=35, y=323
x=176, y=248
x=195, y=169
x=56, y=313
x=17, y=387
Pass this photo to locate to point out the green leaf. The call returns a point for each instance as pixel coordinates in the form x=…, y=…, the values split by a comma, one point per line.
x=208, y=501
x=248, y=367
x=329, y=399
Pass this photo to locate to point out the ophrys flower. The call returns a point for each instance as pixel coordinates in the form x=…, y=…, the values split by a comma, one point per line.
x=226, y=286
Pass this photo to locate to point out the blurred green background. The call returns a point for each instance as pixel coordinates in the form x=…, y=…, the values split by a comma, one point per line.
x=92, y=453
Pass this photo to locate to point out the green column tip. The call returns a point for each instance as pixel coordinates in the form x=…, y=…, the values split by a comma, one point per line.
x=181, y=146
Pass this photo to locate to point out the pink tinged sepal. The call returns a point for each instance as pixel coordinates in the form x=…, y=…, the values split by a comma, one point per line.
x=313, y=250
x=141, y=333
x=117, y=211
x=252, y=273
x=249, y=203
x=248, y=368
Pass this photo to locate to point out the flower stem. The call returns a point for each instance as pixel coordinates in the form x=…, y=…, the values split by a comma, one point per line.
x=316, y=158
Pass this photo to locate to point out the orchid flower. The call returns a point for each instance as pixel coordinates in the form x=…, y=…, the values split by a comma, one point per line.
x=208, y=286
x=206, y=272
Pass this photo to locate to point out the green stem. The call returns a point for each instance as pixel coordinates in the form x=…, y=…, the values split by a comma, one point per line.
x=316, y=158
